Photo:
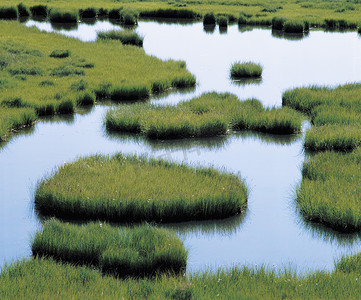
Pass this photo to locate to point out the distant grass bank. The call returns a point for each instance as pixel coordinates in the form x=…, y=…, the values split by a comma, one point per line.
x=134, y=189
x=58, y=280
x=127, y=251
x=329, y=14
x=211, y=114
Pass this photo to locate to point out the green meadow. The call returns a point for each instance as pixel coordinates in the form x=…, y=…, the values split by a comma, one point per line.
x=210, y=114
x=52, y=74
x=133, y=189
x=64, y=281
x=127, y=251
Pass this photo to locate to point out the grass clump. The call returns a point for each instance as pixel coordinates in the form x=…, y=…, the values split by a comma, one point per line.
x=246, y=70
x=13, y=118
x=134, y=189
x=278, y=23
x=209, y=19
x=330, y=192
x=126, y=37
x=127, y=251
x=85, y=98
x=222, y=21
x=211, y=114
x=59, y=53
x=293, y=26
x=88, y=13
x=60, y=16
x=23, y=10
x=8, y=13
x=39, y=11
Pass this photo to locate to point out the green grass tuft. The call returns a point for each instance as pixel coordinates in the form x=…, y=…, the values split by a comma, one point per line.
x=209, y=19
x=58, y=53
x=134, y=189
x=222, y=21
x=245, y=70
x=278, y=23
x=9, y=13
x=23, y=10
x=126, y=37
x=60, y=16
x=292, y=26
x=127, y=251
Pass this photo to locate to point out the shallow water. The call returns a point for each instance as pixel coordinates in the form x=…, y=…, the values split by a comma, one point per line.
x=270, y=232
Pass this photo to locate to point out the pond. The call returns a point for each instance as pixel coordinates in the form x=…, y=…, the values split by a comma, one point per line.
x=271, y=232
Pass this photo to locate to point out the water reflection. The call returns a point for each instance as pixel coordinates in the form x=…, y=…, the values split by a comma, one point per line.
x=289, y=36
x=209, y=28
x=64, y=26
x=224, y=227
x=246, y=81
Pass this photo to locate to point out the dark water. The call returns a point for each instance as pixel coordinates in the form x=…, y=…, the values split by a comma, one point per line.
x=271, y=232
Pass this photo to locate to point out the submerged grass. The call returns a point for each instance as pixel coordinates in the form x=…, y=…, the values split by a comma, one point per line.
x=59, y=280
x=127, y=251
x=211, y=114
x=126, y=37
x=246, y=70
x=133, y=189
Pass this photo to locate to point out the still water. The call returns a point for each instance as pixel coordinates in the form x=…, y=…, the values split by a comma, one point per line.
x=271, y=232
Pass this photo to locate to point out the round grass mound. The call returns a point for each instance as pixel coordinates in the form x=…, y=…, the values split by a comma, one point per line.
x=245, y=70
x=134, y=189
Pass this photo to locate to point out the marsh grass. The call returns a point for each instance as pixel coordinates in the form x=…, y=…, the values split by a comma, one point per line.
x=23, y=10
x=29, y=71
x=13, y=118
x=60, y=16
x=134, y=189
x=59, y=53
x=88, y=13
x=330, y=191
x=278, y=23
x=335, y=112
x=292, y=26
x=211, y=114
x=209, y=19
x=39, y=11
x=222, y=21
x=126, y=37
x=245, y=70
x=8, y=13
x=127, y=251
x=60, y=280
